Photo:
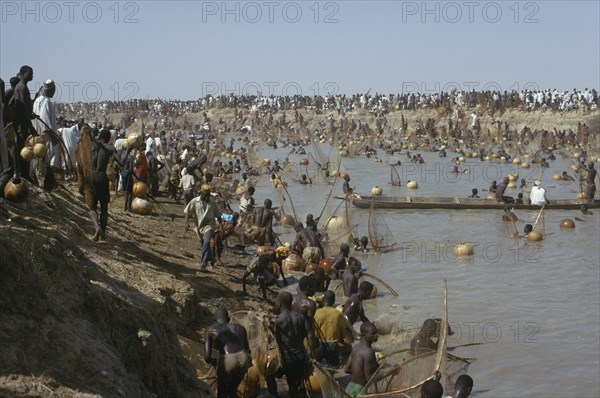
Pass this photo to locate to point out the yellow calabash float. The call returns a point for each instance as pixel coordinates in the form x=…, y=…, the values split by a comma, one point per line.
x=16, y=193
x=140, y=189
x=293, y=262
x=463, y=250
x=141, y=206
x=27, y=153
x=534, y=236
x=567, y=223
x=134, y=140
x=39, y=150
x=376, y=191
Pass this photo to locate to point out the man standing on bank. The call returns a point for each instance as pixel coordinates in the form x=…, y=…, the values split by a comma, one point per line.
x=205, y=213
x=290, y=329
x=231, y=340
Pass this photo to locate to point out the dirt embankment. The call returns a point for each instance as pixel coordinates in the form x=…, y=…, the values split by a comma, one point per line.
x=517, y=120
x=86, y=319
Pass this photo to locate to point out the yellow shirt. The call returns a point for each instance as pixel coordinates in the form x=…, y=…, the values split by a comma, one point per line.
x=329, y=325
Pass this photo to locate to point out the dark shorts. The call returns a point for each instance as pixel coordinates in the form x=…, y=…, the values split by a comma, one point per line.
x=295, y=366
x=127, y=182
x=101, y=191
x=590, y=192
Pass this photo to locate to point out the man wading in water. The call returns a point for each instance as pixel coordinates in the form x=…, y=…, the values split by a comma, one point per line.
x=262, y=230
x=362, y=363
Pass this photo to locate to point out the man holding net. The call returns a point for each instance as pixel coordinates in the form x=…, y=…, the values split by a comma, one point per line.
x=362, y=363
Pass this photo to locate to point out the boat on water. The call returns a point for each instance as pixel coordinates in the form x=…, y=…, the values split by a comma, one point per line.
x=456, y=203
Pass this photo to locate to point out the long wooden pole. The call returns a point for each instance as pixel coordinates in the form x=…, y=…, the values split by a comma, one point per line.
x=391, y=289
x=538, y=217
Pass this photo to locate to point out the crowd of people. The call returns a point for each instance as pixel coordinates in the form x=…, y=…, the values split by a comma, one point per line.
x=188, y=166
x=525, y=100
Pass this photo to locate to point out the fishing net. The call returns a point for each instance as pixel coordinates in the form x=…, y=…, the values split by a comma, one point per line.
x=291, y=168
x=280, y=194
x=318, y=155
x=338, y=230
x=323, y=383
x=356, y=147
x=265, y=357
x=534, y=147
x=593, y=144
x=402, y=374
x=394, y=176
x=380, y=235
x=254, y=160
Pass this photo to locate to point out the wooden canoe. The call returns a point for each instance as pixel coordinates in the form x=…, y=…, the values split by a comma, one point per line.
x=456, y=203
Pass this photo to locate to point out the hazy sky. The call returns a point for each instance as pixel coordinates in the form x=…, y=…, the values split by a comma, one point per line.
x=185, y=50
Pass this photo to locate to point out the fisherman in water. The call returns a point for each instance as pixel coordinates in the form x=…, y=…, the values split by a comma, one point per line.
x=262, y=230
x=422, y=341
x=590, y=181
x=362, y=363
x=307, y=242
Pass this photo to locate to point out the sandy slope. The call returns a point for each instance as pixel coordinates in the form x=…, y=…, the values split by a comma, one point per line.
x=86, y=319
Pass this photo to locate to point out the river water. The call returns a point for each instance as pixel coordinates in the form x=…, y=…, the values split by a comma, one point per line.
x=533, y=306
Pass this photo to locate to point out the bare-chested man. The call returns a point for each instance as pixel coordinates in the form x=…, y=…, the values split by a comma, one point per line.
x=307, y=243
x=350, y=277
x=231, y=341
x=346, y=186
x=590, y=181
x=290, y=329
x=362, y=363
x=339, y=261
x=353, y=309
x=101, y=153
x=301, y=303
x=263, y=224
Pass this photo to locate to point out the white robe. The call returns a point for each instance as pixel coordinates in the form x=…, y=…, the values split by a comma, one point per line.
x=44, y=108
x=70, y=136
x=538, y=196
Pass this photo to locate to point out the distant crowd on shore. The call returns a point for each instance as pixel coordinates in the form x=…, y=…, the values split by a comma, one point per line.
x=542, y=100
